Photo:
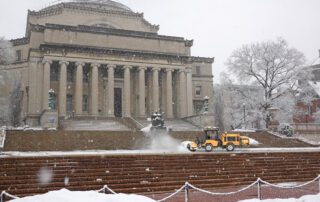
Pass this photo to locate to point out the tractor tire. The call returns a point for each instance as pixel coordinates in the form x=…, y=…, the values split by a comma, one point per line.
x=189, y=148
x=209, y=147
x=230, y=147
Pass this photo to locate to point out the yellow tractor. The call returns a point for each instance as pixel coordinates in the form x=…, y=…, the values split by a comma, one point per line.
x=212, y=139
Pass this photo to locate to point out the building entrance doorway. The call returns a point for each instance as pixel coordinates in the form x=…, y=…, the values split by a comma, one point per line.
x=117, y=102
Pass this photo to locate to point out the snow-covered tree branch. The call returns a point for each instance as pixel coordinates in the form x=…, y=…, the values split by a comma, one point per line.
x=272, y=65
x=6, y=52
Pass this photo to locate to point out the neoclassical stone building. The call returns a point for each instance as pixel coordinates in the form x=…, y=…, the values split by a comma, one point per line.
x=101, y=59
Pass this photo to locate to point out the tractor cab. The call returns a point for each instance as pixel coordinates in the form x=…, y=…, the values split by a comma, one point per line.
x=209, y=133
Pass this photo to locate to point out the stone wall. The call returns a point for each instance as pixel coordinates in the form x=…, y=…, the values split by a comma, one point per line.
x=75, y=140
x=201, y=120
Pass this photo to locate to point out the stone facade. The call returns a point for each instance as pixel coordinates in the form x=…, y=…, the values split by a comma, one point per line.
x=102, y=59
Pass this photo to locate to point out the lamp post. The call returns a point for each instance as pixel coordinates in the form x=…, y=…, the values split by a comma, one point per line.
x=244, y=115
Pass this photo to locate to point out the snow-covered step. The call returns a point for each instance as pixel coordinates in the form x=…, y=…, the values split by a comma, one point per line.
x=149, y=173
x=173, y=124
x=94, y=125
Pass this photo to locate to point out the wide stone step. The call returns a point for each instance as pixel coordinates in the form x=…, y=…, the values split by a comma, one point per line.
x=155, y=173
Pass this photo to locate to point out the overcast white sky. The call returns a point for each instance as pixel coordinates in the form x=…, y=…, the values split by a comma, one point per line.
x=217, y=26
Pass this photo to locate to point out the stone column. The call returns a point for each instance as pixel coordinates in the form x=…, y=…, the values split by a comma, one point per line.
x=79, y=89
x=155, y=88
x=46, y=83
x=127, y=100
x=63, y=88
x=142, y=93
x=169, y=112
x=189, y=92
x=94, y=89
x=183, y=91
x=111, y=90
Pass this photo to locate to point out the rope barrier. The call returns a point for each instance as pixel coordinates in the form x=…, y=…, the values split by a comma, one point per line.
x=105, y=187
x=258, y=181
x=173, y=194
x=227, y=193
x=187, y=185
x=290, y=187
x=4, y=193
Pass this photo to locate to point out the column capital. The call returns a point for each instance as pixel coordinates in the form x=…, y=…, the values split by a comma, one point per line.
x=127, y=67
x=142, y=68
x=44, y=61
x=189, y=69
x=169, y=69
x=155, y=69
x=113, y=66
x=182, y=70
x=95, y=64
x=80, y=64
x=63, y=62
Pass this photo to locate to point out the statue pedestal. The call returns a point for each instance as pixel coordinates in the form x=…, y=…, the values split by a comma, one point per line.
x=49, y=119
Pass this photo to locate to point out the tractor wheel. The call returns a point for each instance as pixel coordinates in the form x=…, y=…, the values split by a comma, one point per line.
x=190, y=149
x=230, y=147
x=209, y=147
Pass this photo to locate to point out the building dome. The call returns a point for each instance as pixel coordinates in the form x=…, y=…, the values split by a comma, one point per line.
x=99, y=4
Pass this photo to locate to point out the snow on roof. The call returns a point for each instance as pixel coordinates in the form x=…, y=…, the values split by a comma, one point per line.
x=316, y=62
x=316, y=86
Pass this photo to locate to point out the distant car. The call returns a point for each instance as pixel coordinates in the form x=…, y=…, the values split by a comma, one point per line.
x=286, y=129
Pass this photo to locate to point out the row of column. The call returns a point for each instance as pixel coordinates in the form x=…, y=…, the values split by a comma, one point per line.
x=185, y=96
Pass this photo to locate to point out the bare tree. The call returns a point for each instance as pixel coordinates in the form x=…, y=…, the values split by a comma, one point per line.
x=6, y=52
x=16, y=104
x=10, y=87
x=273, y=65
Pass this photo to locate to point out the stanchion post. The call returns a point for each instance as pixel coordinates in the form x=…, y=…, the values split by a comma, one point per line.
x=259, y=190
x=2, y=197
x=186, y=192
x=319, y=183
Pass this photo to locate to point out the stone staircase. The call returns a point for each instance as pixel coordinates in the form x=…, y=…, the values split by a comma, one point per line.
x=145, y=174
x=268, y=140
x=107, y=124
x=173, y=124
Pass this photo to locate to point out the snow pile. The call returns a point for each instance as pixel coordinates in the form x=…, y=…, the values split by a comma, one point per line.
x=244, y=130
x=160, y=140
x=184, y=146
x=147, y=129
x=65, y=195
x=253, y=142
x=163, y=141
x=306, y=198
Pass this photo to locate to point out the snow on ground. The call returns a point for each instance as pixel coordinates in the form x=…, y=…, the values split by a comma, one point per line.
x=147, y=129
x=253, y=142
x=244, y=130
x=161, y=141
x=65, y=195
x=306, y=198
x=156, y=152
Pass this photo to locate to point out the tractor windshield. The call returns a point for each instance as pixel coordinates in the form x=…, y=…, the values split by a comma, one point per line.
x=212, y=134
